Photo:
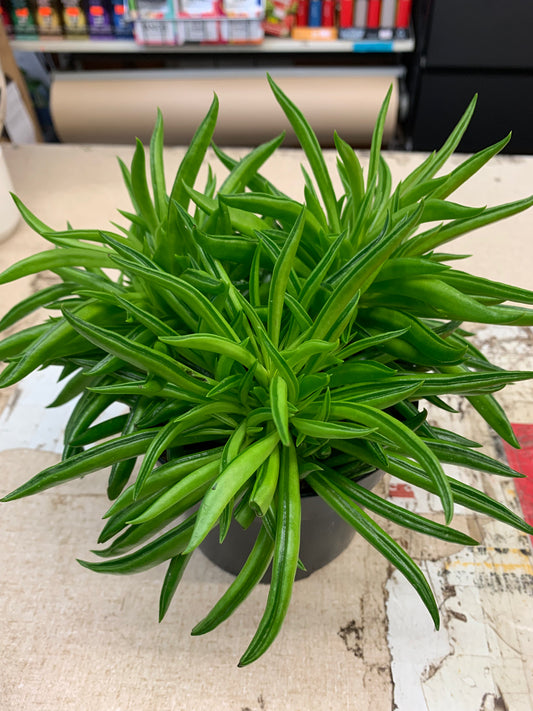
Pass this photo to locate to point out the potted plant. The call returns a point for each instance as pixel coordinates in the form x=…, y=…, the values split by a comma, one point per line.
x=268, y=348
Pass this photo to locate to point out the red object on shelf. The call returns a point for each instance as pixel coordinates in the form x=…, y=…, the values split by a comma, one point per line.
x=328, y=13
x=346, y=13
x=302, y=13
x=374, y=12
x=403, y=14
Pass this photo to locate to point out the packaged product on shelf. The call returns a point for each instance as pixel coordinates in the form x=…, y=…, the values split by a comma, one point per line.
x=155, y=23
x=253, y=9
x=5, y=13
x=24, y=22
x=373, y=14
x=280, y=16
x=302, y=13
x=75, y=19
x=315, y=13
x=388, y=14
x=245, y=20
x=346, y=16
x=49, y=19
x=199, y=8
x=201, y=21
x=123, y=28
x=381, y=20
x=100, y=24
x=321, y=25
x=403, y=14
x=328, y=13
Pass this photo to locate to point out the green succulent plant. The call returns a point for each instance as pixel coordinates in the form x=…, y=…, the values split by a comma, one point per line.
x=267, y=345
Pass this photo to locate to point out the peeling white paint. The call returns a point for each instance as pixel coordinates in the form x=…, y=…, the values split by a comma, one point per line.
x=481, y=657
x=27, y=423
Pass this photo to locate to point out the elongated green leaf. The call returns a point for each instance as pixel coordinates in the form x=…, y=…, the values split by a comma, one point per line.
x=35, y=301
x=91, y=460
x=192, y=482
x=280, y=279
x=147, y=359
x=436, y=160
x=468, y=168
x=377, y=137
x=163, y=548
x=140, y=187
x=354, y=173
x=175, y=571
x=194, y=299
x=398, y=514
x=53, y=258
x=219, y=344
x=377, y=537
x=407, y=440
x=330, y=430
x=280, y=408
x=265, y=484
x=250, y=574
x=190, y=165
x=464, y=494
x=426, y=241
x=157, y=168
x=228, y=484
x=312, y=150
x=287, y=545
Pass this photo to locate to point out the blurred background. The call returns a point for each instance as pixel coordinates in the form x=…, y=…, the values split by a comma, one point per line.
x=94, y=71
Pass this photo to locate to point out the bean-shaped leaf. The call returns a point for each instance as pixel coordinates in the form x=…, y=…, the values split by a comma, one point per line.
x=194, y=481
x=285, y=562
x=163, y=548
x=248, y=577
x=228, y=484
x=280, y=408
x=173, y=577
x=265, y=484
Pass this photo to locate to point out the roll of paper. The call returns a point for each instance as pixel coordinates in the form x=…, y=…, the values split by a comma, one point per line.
x=115, y=107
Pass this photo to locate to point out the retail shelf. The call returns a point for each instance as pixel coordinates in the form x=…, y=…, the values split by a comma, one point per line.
x=269, y=45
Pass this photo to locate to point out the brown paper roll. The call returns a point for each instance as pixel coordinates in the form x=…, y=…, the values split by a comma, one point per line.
x=114, y=108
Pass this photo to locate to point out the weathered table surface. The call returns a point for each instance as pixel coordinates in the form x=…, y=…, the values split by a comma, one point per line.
x=356, y=637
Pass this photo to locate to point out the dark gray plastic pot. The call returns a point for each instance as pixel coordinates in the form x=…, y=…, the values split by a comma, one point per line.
x=324, y=535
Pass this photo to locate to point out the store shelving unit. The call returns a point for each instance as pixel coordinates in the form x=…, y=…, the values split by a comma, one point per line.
x=270, y=45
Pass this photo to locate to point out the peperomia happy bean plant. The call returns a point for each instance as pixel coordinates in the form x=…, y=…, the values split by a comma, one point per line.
x=265, y=345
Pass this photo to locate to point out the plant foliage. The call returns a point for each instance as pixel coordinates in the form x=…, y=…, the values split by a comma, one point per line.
x=266, y=345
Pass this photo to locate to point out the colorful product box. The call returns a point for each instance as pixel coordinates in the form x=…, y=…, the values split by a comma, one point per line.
x=49, y=19
x=155, y=22
x=122, y=27
x=75, y=19
x=280, y=16
x=100, y=23
x=252, y=9
x=200, y=21
x=6, y=13
x=24, y=20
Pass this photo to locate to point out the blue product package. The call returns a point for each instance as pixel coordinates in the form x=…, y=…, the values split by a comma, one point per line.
x=315, y=13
